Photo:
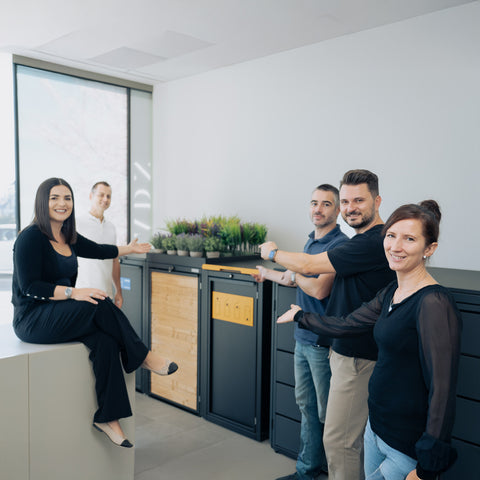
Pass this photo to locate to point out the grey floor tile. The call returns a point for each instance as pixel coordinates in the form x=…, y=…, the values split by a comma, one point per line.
x=174, y=444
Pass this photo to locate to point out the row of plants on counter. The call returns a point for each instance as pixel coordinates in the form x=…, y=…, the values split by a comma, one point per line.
x=213, y=235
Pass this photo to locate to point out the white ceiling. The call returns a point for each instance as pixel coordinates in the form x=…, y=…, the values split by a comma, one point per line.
x=152, y=41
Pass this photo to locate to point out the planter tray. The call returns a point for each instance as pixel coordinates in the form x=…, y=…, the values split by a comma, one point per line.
x=197, y=262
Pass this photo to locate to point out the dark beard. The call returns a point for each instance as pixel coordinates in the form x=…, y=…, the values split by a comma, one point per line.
x=364, y=223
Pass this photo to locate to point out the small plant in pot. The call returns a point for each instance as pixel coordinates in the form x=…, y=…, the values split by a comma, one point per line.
x=213, y=246
x=195, y=245
x=181, y=244
x=157, y=242
x=169, y=244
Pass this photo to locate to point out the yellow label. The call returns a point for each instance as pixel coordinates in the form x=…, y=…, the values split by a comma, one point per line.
x=232, y=308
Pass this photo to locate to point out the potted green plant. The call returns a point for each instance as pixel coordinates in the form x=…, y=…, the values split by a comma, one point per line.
x=157, y=242
x=170, y=245
x=181, y=245
x=212, y=246
x=195, y=245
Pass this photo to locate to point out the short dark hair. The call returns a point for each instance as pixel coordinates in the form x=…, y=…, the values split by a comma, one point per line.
x=326, y=187
x=102, y=182
x=359, y=176
x=42, y=213
x=428, y=212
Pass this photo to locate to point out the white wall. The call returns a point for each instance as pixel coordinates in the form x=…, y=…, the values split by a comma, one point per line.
x=402, y=100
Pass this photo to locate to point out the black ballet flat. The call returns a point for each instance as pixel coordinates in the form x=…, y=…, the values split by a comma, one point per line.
x=167, y=369
x=112, y=435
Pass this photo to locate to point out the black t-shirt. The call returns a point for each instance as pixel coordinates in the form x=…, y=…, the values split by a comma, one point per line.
x=361, y=271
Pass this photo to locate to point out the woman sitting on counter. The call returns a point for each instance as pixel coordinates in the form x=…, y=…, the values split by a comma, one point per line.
x=49, y=309
x=417, y=328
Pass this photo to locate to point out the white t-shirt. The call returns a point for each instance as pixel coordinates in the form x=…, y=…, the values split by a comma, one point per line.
x=96, y=273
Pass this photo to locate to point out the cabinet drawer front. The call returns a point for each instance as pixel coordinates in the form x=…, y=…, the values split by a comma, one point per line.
x=286, y=434
x=285, y=402
x=469, y=378
x=467, y=464
x=471, y=333
x=467, y=421
x=285, y=340
x=285, y=368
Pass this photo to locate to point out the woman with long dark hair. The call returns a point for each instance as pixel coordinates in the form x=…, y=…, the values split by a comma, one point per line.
x=49, y=309
x=417, y=328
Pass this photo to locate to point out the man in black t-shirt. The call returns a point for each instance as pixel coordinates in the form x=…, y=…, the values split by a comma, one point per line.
x=361, y=270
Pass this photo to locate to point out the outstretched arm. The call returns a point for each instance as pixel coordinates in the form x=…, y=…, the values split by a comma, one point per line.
x=134, y=247
x=362, y=320
x=317, y=287
x=298, y=262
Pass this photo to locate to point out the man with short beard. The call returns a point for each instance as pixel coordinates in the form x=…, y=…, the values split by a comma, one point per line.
x=361, y=270
x=311, y=364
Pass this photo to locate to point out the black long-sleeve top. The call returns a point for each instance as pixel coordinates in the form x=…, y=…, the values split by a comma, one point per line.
x=37, y=270
x=412, y=388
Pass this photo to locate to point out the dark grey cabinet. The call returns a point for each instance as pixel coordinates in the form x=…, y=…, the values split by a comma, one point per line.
x=285, y=415
x=133, y=282
x=466, y=430
x=235, y=345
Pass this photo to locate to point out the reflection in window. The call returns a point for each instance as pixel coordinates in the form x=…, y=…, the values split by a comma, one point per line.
x=8, y=227
x=76, y=129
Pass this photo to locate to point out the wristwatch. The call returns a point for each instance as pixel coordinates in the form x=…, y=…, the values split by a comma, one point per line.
x=293, y=277
x=271, y=255
x=68, y=292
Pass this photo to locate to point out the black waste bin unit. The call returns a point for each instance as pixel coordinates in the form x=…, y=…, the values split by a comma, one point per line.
x=133, y=282
x=235, y=343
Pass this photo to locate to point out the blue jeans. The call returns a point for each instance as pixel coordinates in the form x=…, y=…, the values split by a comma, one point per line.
x=383, y=462
x=312, y=382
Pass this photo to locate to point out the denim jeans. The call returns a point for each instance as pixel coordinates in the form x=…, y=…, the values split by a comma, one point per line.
x=312, y=382
x=383, y=462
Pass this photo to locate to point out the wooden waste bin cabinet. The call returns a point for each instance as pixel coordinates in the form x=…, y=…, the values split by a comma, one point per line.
x=174, y=314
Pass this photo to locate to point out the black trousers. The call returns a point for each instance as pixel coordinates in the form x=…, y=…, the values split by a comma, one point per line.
x=105, y=330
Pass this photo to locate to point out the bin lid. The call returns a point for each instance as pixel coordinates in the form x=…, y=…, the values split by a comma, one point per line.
x=229, y=268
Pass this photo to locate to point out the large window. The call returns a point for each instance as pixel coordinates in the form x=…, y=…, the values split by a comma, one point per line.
x=75, y=129
x=80, y=126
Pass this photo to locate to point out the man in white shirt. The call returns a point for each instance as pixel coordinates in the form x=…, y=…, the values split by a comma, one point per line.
x=102, y=274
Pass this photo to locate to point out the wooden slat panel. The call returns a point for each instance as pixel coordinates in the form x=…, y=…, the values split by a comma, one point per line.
x=174, y=334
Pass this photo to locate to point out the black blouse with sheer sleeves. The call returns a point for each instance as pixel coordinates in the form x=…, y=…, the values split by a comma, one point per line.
x=413, y=386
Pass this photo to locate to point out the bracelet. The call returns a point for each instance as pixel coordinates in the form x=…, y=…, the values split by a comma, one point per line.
x=271, y=255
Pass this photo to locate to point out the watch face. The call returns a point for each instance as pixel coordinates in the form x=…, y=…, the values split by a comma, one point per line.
x=68, y=292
